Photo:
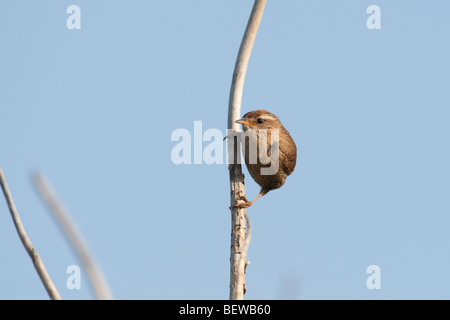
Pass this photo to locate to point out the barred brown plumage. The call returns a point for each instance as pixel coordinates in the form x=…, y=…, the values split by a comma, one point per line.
x=267, y=137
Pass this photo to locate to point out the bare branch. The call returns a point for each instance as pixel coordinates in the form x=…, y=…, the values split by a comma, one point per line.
x=244, y=262
x=239, y=243
x=75, y=237
x=38, y=264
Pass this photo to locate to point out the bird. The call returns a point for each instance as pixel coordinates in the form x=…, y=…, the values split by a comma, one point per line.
x=258, y=128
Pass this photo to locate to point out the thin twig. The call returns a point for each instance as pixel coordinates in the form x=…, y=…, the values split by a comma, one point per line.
x=75, y=237
x=244, y=262
x=38, y=264
x=239, y=243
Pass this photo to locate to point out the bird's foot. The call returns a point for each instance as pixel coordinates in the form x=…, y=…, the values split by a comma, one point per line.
x=245, y=204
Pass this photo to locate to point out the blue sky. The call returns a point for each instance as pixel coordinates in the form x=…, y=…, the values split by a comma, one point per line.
x=94, y=110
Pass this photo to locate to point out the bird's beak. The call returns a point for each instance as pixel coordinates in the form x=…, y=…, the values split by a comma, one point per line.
x=245, y=123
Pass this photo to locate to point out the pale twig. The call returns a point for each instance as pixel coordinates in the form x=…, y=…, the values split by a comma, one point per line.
x=239, y=243
x=75, y=237
x=38, y=264
x=244, y=262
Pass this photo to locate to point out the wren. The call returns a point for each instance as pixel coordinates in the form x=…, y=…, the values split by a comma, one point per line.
x=263, y=125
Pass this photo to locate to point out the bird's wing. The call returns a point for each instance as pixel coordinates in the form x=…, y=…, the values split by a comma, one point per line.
x=288, y=161
x=288, y=155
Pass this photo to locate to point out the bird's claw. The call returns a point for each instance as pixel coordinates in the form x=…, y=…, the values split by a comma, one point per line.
x=241, y=205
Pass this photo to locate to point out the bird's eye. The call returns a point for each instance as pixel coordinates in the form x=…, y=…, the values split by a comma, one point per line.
x=260, y=120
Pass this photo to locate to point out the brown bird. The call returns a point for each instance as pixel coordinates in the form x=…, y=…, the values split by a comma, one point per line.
x=269, y=159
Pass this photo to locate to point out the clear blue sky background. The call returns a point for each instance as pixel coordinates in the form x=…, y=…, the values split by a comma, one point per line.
x=94, y=109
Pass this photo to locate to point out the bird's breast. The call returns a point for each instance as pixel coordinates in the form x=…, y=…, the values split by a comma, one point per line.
x=263, y=160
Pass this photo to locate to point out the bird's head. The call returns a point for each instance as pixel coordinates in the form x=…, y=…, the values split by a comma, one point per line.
x=259, y=119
